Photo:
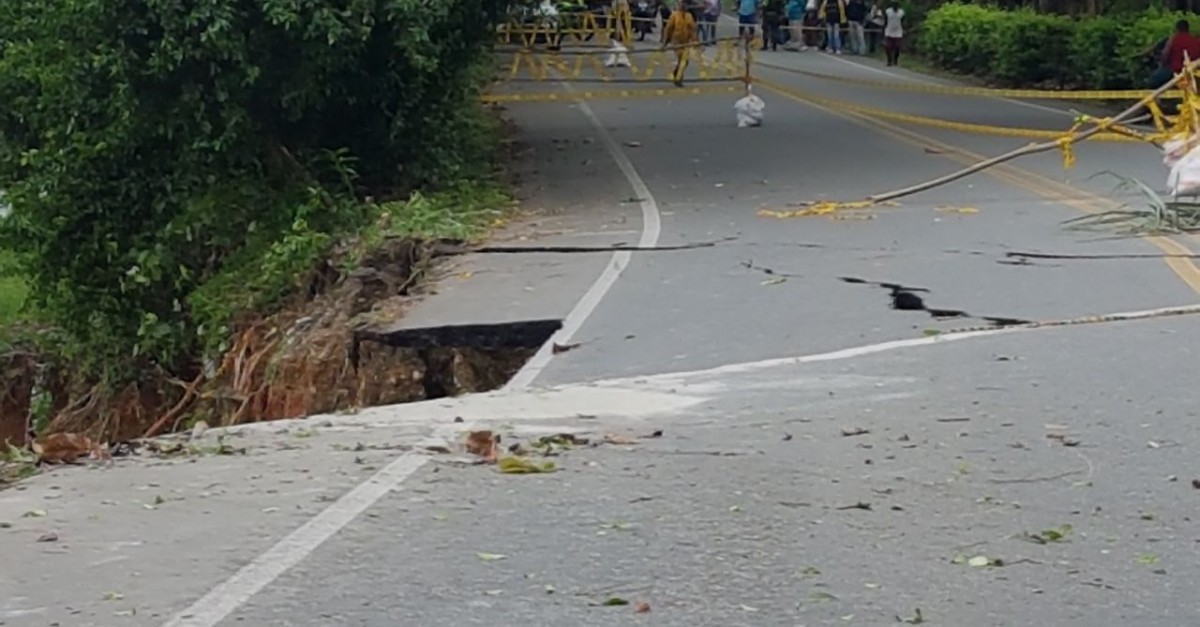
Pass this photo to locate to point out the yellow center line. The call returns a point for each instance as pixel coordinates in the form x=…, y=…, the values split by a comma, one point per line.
x=1018, y=177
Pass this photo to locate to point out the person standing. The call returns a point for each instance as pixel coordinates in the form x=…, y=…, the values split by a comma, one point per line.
x=835, y=18
x=680, y=33
x=747, y=18
x=1181, y=49
x=772, y=21
x=893, y=32
x=875, y=22
x=856, y=15
x=712, y=15
x=795, y=18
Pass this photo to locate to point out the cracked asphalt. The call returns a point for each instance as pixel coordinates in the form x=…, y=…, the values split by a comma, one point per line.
x=825, y=459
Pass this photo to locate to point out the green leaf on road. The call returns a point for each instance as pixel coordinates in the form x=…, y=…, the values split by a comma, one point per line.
x=113, y=596
x=519, y=466
x=1047, y=536
x=614, y=602
x=491, y=557
x=1147, y=559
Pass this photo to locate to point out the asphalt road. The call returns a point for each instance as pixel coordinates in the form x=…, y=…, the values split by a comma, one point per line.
x=823, y=458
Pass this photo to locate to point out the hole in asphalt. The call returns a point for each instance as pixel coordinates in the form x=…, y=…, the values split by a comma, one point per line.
x=907, y=298
x=461, y=359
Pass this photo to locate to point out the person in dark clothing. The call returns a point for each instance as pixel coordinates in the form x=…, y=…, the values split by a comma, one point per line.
x=1179, y=50
x=772, y=23
x=856, y=15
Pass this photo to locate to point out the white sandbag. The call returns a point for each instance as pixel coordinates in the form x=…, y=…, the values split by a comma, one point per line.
x=617, y=56
x=749, y=110
x=1184, y=179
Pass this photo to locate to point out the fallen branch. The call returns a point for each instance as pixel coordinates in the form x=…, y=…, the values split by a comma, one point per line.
x=1113, y=124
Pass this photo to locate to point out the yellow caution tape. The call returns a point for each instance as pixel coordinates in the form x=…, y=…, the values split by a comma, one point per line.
x=613, y=94
x=948, y=90
x=965, y=127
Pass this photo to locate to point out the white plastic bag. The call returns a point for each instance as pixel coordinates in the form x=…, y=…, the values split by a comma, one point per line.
x=749, y=110
x=1184, y=179
x=1175, y=148
x=617, y=56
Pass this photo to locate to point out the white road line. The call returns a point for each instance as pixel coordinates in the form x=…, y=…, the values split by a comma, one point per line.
x=651, y=229
x=227, y=597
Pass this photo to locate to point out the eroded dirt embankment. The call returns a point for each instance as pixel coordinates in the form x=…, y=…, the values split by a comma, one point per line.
x=321, y=354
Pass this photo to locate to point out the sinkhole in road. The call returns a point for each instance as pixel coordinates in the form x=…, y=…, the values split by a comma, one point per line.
x=450, y=360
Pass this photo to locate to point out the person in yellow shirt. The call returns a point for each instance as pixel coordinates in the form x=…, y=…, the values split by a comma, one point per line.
x=680, y=32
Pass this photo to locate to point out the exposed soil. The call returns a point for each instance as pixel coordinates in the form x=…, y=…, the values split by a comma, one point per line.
x=318, y=356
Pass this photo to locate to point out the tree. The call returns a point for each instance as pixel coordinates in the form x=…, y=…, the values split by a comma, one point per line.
x=146, y=146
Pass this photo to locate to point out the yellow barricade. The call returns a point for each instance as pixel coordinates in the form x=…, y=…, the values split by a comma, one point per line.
x=725, y=60
x=570, y=28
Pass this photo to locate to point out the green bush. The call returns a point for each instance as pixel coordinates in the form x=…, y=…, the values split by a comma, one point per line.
x=1027, y=49
x=151, y=147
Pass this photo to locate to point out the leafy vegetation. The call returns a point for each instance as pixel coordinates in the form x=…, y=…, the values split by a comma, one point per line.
x=1025, y=48
x=173, y=166
x=12, y=289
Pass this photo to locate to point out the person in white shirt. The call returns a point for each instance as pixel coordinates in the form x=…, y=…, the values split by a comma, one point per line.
x=893, y=32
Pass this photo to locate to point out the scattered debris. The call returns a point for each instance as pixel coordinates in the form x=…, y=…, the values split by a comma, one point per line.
x=855, y=431
x=787, y=437
x=979, y=561
x=642, y=608
x=915, y=619
x=616, y=438
x=484, y=444
x=48, y=537
x=68, y=448
x=859, y=505
x=750, y=265
x=35, y=513
x=1063, y=439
